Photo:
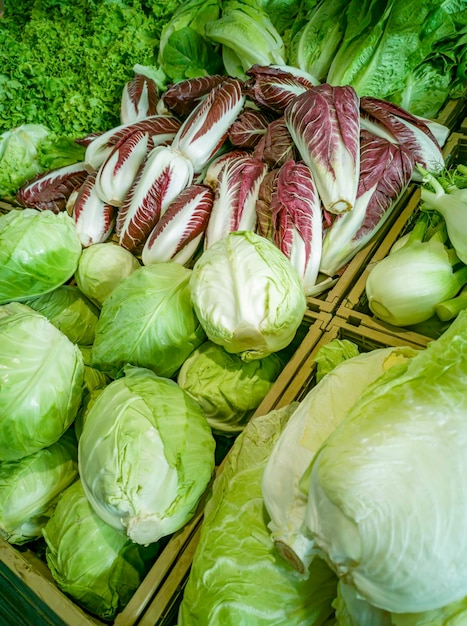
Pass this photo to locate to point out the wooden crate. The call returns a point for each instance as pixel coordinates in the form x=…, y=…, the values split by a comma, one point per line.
x=26, y=580
x=163, y=609
x=452, y=113
x=354, y=307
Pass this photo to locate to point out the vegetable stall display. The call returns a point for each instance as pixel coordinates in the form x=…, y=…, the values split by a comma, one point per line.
x=163, y=223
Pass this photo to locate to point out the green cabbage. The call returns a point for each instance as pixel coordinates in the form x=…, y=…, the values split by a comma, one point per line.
x=148, y=320
x=387, y=498
x=247, y=295
x=29, y=488
x=237, y=578
x=39, y=251
x=98, y=566
x=101, y=267
x=41, y=381
x=68, y=309
x=227, y=388
x=146, y=455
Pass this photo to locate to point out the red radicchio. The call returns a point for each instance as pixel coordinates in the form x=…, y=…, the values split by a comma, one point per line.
x=297, y=219
x=249, y=127
x=385, y=172
x=51, y=190
x=163, y=175
x=178, y=233
x=94, y=219
x=264, y=223
x=206, y=128
x=325, y=125
x=276, y=146
x=235, y=201
x=273, y=88
x=116, y=175
x=139, y=99
x=182, y=97
x=407, y=129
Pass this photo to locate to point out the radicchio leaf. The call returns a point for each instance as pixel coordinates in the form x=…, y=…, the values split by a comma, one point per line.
x=264, y=222
x=249, y=127
x=385, y=172
x=161, y=129
x=235, y=201
x=178, y=233
x=409, y=130
x=276, y=146
x=325, y=125
x=207, y=127
x=273, y=88
x=297, y=219
x=139, y=99
x=116, y=175
x=211, y=175
x=51, y=190
x=94, y=219
x=163, y=175
x=182, y=97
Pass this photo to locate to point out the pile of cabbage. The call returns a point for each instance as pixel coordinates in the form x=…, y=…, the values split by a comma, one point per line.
x=348, y=507
x=115, y=378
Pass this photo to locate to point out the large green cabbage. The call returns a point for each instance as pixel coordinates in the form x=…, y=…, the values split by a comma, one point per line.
x=41, y=381
x=247, y=295
x=387, y=497
x=98, y=566
x=29, y=488
x=148, y=320
x=146, y=455
x=39, y=251
x=237, y=577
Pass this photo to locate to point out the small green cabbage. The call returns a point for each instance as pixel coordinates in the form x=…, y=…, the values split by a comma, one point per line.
x=39, y=251
x=68, y=309
x=19, y=159
x=148, y=320
x=247, y=295
x=146, y=455
x=98, y=566
x=227, y=388
x=41, y=381
x=29, y=488
x=101, y=267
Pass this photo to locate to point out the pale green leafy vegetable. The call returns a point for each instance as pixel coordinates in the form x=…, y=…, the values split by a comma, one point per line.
x=247, y=295
x=387, y=501
x=333, y=353
x=98, y=566
x=237, y=577
x=68, y=309
x=146, y=455
x=39, y=251
x=227, y=388
x=148, y=320
x=101, y=267
x=41, y=381
x=29, y=488
x=322, y=409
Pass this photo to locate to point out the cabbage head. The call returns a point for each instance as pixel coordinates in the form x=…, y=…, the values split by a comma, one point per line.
x=39, y=251
x=70, y=311
x=387, y=494
x=101, y=267
x=98, y=566
x=41, y=381
x=227, y=388
x=29, y=488
x=237, y=576
x=146, y=455
x=247, y=295
x=148, y=320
